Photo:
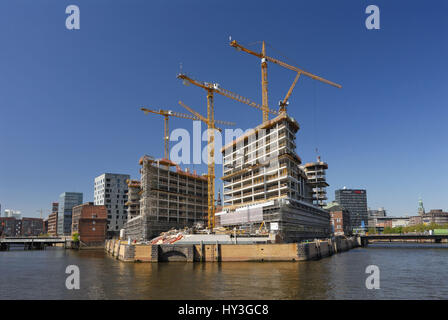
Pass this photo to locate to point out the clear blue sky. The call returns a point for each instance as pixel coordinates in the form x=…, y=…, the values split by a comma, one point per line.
x=69, y=100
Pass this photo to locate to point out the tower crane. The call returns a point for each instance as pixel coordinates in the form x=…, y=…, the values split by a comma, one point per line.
x=211, y=88
x=166, y=114
x=211, y=159
x=264, y=76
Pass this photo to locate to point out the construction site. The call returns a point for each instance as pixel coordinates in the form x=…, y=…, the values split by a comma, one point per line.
x=167, y=197
x=269, y=195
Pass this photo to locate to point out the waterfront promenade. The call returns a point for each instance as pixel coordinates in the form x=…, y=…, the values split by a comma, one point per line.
x=404, y=238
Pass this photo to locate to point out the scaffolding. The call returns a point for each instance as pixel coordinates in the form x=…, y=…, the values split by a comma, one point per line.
x=169, y=198
x=264, y=181
x=315, y=173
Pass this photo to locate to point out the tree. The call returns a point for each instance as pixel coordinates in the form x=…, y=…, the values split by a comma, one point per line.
x=75, y=237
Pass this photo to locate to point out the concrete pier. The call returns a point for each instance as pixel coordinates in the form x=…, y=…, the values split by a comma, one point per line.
x=218, y=252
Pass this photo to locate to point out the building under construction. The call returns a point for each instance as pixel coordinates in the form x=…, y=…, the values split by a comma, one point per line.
x=133, y=204
x=315, y=174
x=168, y=197
x=265, y=185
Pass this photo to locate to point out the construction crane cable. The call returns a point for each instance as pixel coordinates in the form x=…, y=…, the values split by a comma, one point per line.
x=281, y=54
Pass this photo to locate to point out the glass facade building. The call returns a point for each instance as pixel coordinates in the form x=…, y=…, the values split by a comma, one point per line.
x=355, y=201
x=67, y=201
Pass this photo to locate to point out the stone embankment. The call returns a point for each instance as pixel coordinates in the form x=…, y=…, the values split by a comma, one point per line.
x=215, y=252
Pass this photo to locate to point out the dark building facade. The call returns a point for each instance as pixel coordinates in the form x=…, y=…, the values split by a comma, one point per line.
x=10, y=227
x=25, y=227
x=355, y=201
x=67, y=201
x=32, y=227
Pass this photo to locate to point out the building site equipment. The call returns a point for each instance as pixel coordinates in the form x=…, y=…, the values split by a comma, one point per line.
x=211, y=155
x=264, y=77
x=166, y=114
x=211, y=88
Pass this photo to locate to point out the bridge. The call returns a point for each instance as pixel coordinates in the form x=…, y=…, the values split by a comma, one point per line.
x=404, y=237
x=30, y=243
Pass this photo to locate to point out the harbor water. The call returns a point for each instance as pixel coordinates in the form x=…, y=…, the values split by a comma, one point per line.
x=407, y=271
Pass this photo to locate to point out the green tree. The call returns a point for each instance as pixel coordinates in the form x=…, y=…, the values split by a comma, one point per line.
x=75, y=237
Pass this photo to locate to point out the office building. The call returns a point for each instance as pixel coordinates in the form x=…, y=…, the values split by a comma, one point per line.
x=13, y=214
x=415, y=220
x=374, y=215
x=111, y=190
x=355, y=201
x=67, y=201
x=10, y=227
x=400, y=221
x=32, y=227
x=381, y=212
x=437, y=216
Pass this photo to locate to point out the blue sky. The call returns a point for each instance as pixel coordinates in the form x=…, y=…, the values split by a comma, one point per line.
x=69, y=99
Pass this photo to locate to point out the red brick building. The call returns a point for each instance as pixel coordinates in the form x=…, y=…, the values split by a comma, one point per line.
x=339, y=219
x=10, y=227
x=90, y=222
x=53, y=224
x=32, y=227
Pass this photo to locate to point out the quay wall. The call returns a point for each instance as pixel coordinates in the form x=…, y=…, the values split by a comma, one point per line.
x=318, y=249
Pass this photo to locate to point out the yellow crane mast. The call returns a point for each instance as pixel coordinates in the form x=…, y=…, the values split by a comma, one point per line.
x=211, y=156
x=166, y=114
x=195, y=117
x=211, y=88
x=264, y=58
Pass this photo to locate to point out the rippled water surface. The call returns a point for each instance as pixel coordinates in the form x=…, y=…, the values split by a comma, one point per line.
x=407, y=271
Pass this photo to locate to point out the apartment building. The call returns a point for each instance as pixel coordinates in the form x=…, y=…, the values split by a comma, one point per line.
x=111, y=190
x=169, y=197
x=264, y=182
